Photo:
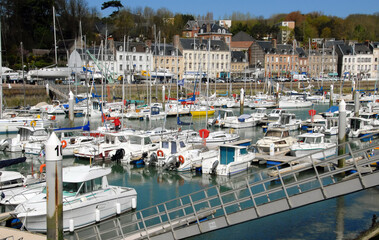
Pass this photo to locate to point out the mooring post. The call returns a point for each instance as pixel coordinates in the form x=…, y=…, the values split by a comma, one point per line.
x=341, y=132
x=47, y=89
x=54, y=199
x=242, y=98
x=356, y=104
x=164, y=97
x=71, y=106
x=331, y=96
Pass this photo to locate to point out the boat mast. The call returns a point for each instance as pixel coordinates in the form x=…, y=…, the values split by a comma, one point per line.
x=123, y=84
x=55, y=39
x=206, y=115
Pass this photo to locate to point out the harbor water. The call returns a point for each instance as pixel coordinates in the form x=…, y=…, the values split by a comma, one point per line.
x=339, y=218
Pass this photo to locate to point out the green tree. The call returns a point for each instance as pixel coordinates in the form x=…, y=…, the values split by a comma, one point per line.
x=114, y=4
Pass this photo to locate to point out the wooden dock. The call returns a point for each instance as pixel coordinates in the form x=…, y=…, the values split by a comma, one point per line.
x=280, y=158
x=11, y=233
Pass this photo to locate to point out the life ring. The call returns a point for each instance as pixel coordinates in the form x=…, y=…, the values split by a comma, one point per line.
x=64, y=143
x=181, y=159
x=41, y=168
x=212, y=107
x=33, y=123
x=53, y=117
x=170, y=106
x=160, y=153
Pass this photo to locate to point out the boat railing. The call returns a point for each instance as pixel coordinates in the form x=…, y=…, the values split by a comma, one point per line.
x=201, y=210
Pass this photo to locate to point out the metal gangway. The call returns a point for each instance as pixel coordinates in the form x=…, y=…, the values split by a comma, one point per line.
x=272, y=190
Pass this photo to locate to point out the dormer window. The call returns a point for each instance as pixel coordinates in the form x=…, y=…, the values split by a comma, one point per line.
x=120, y=48
x=134, y=49
x=219, y=30
x=223, y=31
x=201, y=30
x=147, y=50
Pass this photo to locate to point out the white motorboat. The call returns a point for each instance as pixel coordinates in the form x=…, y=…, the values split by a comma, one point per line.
x=137, y=148
x=287, y=120
x=24, y=136
x=167, y=147
x=231, y=159
x=221, y=117
x=360, y=127
x=259, y=114
x=278, y=140
x=262, y=103
x=294, y=103
x=275, y=114
x=309, y=143
x=214, y=139
x=87, y=199
x=101, y=148
x=243, y=121
x=11, y=125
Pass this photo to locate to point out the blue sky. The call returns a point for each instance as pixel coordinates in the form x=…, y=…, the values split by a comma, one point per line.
x=341, y=8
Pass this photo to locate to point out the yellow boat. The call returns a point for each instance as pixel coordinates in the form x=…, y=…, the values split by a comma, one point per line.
x=198, y=113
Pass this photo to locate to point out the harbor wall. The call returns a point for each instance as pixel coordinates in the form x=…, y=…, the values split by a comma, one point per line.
x=13, y=94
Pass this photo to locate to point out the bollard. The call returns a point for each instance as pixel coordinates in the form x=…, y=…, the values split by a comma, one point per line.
x=356, y=104
x=71, y=106
x=277, y=93
x=54, y=199
x=341, y=132
x=331, y=96
x=47, y=89
x=242, y=97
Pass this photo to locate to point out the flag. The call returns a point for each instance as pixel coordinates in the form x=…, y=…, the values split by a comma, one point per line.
x=181, y=82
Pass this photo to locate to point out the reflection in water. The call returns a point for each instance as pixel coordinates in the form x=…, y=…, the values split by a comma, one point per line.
x=340, y=217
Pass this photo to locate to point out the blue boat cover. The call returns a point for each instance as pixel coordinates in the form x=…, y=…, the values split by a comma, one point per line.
x=84, y=128
x=332, y=109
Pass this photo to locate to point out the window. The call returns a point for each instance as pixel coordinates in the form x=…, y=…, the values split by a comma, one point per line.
x=120, y=67
x=134, y=58
x=120, y=57
x=140, y=58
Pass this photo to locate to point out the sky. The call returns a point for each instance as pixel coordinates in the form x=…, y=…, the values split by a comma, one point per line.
x=221, y=8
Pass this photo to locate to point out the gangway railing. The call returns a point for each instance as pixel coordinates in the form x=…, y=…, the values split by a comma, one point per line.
x=260, y=194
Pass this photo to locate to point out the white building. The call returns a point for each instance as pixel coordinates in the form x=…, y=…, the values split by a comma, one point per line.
x=136, y=59
x=375, y=49
x=356, y=60
x=195, y=58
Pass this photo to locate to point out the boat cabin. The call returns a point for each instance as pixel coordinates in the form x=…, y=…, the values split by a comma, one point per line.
x=274, y=115
x=277, y=132
x=224, y=113
x=357, y=123
x=287, y=118
x=172, y=146
x=11, y=179
x=311, y=138
x=230, y=153
x=80, y=180
x=28, y=133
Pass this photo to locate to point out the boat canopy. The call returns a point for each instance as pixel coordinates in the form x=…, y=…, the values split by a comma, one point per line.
x=80, y=174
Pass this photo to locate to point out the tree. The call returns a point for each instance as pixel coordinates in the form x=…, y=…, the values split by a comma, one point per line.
x=114, y=3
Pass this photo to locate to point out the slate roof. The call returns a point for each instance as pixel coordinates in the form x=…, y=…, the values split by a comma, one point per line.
x=345, y=49
x=361, y=48
x=169, y=49
x=330, y=44
x=267, y=47
x=214, y=28
x=242, y=37
x=188, y=44
x=191, y=24
x=238, y=56
x=140, y=46
x=358, y=48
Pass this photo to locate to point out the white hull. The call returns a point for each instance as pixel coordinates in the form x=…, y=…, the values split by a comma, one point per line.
x=11, y=125
x=294, y=104
x=83, y=214
x=320, y=155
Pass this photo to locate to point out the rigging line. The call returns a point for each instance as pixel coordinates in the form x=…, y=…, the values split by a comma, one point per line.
x=60, y=31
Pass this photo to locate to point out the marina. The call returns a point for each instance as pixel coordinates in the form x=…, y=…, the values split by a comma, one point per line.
x=149, y=124
x=150, y=181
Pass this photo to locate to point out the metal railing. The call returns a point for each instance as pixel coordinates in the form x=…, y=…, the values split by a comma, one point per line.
x=260, y=194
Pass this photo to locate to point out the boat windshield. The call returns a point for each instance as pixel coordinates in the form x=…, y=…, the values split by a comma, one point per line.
x=41, y=132
x=135, y=140
x=70, y=189
x=243, y=151
x=165, y=144
x=122, y=139
x=273, y=134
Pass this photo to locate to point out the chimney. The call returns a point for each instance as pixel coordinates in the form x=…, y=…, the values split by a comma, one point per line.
x=273, y=43
x=176, y=41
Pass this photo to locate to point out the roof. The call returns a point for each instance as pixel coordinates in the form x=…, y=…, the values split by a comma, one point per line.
x=311, y=135
x=139, y=46
x=166, y=50
x=188, y=44
x=79, y=174
x=345, y=49
x=214, y=28
x=10, y=175
x=191, y=24
x=242, y=37
x=238, y=56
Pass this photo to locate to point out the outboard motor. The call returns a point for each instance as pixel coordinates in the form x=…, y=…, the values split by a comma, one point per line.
x=153, y=158
x=213, y=168
x=4, y=144
x=170, y=162
x=120, y=153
